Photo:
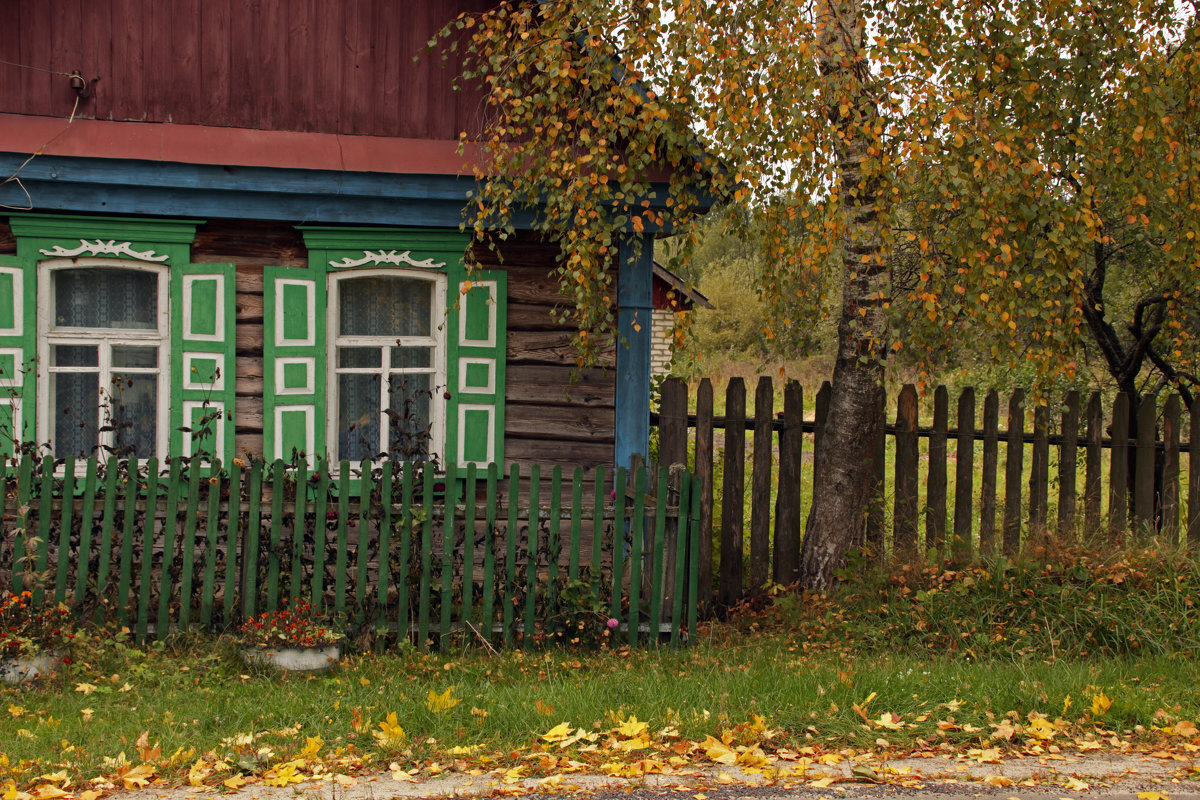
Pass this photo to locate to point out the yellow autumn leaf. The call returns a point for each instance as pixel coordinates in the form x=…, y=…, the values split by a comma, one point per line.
x=1185, y=728
x=753, y=757
x=557, y=733
x=236, y=782
x=1152, y=796
x=636, y=743
x=49, y=791
x=1076, y=785
x=285, y=774
x=441, y=703
x=138, y=777
x=718, y=751
x=1041, y=729
x=16, y=711
x=90, y=794
x=1100, y=704
x=390, y=733
x=198, y=773
x=632, y=728
x=12, y=793
x=889, y=720
x=85, y=688
x=822, y=783
x=311, y=747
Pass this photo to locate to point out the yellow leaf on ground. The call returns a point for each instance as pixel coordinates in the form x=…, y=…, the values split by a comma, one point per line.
x=311, y=747
x=998, y=780
x=138, y=777
x=1100, y=704
x=441, y=703
x=1042, y=729
x=90, y=794
x=236, y=782
x=1185, y=728
x=557, y=733
x=632, y=728
x=718, y=752
x=390, y=733
x=1076, y=785
x=198, y=773
x=48, y=791
x=1152, y=796
x=822, y=783
x=85, y=688
x=889, y=720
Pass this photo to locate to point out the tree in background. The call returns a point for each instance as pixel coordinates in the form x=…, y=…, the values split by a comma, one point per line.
x=953, y=165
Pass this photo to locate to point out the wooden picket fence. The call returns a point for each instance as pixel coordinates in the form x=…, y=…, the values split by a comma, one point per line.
x=392, y=551
x=1137, y=489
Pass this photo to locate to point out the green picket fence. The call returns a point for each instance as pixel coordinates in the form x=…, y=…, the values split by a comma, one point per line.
x=393, y=551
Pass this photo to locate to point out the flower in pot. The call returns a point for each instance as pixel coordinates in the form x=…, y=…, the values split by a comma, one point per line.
x=293, y=639
x=34, y=638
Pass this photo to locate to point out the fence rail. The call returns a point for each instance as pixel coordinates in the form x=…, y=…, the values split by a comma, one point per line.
x=992, y=484
x=393, y=550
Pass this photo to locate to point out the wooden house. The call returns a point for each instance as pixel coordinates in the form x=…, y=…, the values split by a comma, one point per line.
x=234, y=229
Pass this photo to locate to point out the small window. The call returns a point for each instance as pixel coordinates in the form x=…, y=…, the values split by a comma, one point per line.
x=386, y=365
x=104, y=350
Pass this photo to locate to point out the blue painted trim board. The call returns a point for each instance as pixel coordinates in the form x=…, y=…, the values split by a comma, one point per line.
x=635, y=303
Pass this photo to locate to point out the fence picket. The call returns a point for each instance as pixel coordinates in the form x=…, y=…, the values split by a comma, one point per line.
x=964, y=475
x=233, y=541
x=620, y=480
x=87, y=520
x=1068, y=460
x=1193, y=531
x=1118, y=471
x=404, y=577
x=1014, y=458
x=341, y=557
x=470, y=490
x=24, y=510
x=760, y=485
x=426, y=558
x=935, y=493
x=275, y=532
x=510, y=556
x=657, y=565
x=679, y=587
x=362, y=549
x=904, y=539
x=704, y=469
x=1169, y=515
x=64, y=529
x=576, y=523
x=532, y=539
x=170, y=527
x=635, y=553
x=129, y=515
x=489, y=555
x=988, y=473
x=1039, y=470
x=554, y=541
x=45, y=517
x=446, y=593
x=732, y=513
x=253, y=531
x=320, y=529
x=1143, y=475
x=597, y=534
x=300, y=528
x=787, y=499
x=143, y=610
x=1091, y=473
x=212, y=529
x=188, y=547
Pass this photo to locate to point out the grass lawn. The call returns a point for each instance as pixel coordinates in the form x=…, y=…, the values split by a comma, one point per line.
x=865, y=671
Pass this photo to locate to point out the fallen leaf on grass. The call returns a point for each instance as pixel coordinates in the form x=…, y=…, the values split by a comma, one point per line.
x=138, y=777
x=390, y=734
x=85, y=688
x=1100, y=704
x=441, y=703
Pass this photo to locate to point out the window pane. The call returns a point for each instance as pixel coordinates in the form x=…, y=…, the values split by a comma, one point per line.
x=134, y=407
x=409, y=398
x=75, y=412
x=105, y=297
x=411, y=357
x=75, y=355
x=358, y=416
x=130, y=356
x=359, y=357
x=385, y=305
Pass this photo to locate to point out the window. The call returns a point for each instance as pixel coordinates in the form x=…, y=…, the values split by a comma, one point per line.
x=387, y=357
x=104, y=343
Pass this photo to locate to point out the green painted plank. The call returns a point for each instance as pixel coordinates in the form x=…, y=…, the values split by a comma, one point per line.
x=212, y=526
x=597, y=533
x=170, y=525
x=45, y=517
x=87, y=520
x=618, y=542
x=656, y=562
x=531, y=563
x=446, y=597
x=489, y=556
x=343, y=505
x=320, y=527
x=510, y=558
x=637, y=531
x=66, y=520
x=129, y=516
x=426, y=559
x=278, y=487
x=553, y=542
x=24, y=509
x=186, y=578
x=253, y=531
x=576, y=523
x=385, y=553
x=299, y=529
x=104, y=559
x=403, y=589
x=362, y=548
x=470, y=492
x=694, y=556
x=233, y=540
x=681, y=547
x=146, y=572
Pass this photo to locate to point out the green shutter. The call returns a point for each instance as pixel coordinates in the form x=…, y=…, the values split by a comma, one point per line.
x=202, y=360
x=477, y=339
x=14, y=297
x=293, y=362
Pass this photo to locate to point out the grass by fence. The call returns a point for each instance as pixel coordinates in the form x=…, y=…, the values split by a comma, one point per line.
x=394, y=551
x=976, y=488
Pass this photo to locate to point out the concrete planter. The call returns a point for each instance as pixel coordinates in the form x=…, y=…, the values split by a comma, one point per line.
x=23, y=669
x=297, y=658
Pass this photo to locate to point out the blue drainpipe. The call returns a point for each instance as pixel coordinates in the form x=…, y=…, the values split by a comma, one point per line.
x=635, y=303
